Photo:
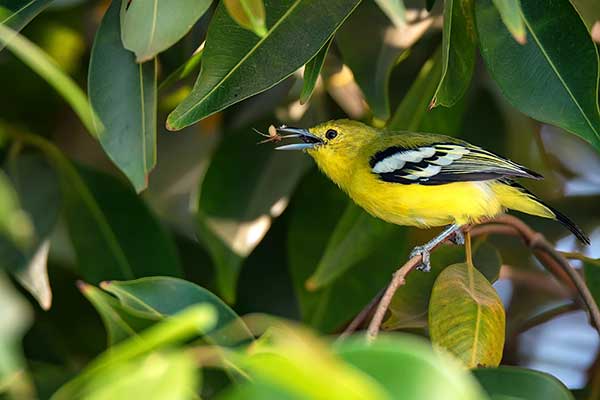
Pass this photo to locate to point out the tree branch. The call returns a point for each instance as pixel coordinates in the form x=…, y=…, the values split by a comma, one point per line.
x=503, y=225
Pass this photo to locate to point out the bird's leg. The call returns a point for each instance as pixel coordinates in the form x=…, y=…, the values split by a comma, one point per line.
x=458, y=238
x=425, y=249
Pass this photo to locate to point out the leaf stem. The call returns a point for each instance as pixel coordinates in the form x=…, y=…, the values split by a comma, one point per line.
x=468, y=249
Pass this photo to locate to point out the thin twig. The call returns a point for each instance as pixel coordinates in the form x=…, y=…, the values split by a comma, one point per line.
x=362, y=316
x=505, y=225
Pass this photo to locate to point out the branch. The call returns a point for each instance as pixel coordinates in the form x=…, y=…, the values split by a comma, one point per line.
x=503, y=225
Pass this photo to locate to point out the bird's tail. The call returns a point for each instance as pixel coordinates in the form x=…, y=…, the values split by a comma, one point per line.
x=514, y=196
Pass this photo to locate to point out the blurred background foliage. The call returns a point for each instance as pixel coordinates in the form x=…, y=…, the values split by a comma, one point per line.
x=205, y=215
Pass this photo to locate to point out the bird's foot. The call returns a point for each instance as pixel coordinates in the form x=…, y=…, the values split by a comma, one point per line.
x=458, y=238
x=423, y=251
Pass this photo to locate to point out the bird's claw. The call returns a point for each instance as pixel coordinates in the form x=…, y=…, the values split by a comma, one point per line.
x=458, y=238
x=423, y=251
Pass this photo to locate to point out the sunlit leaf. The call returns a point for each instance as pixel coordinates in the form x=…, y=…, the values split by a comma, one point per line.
x=123, y=94
x=183, y=71
x=149, y=27
x=233, y=54
x=17, y=13
x=36, y=59
x=183, y=326
x=16, y=318
x=413, y=113
x=520, y=384
x=510, y=12
x=425, y=373
x=313, y=220
x=394, y=9
x=118, y=322
x=156, y=298
x=466, y=316
x=312, y=69
x=540, y=78
x=458, y=52
x=34, y=276
x=249, y=14
x=410, y=302
x=232, y=222
x=15, y=224
x=367, y=44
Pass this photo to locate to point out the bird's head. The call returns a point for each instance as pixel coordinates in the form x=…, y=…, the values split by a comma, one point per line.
x=334, y=145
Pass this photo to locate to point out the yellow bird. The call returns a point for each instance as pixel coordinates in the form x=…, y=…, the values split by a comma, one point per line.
x=421, y=180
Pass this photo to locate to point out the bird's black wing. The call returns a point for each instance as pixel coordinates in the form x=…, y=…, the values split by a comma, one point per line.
x=440, y=163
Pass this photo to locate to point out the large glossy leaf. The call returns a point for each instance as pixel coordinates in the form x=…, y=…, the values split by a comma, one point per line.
x=160, y=297
x=114, y=234
x=17, y=13
x=234, y=54
x=259, y=182
x=540, y=78
x=38, y=188
x=123, y=94
x=318, y=207
x=413, y=113
x=510, y=12
x=312, y=69
x=367, y=47
x=183, y=326
x=118, y=322
x=352, y=241
x=36, y=59
x=410, y=303
x=249, y=14
x=425, y=374
x=16, y=318
x=520, y=384
x=458, y=52
x=150, y=27
x=466, y=316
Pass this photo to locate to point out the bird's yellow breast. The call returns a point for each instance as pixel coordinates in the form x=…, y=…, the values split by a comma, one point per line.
x=422, y=205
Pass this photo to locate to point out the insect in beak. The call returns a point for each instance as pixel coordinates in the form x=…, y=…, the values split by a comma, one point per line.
x=310, y=140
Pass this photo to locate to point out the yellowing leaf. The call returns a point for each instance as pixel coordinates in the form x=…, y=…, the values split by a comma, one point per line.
x=466, y=316
x=249, y=14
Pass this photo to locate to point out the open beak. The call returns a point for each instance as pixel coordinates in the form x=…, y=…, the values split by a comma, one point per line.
x=310, y=140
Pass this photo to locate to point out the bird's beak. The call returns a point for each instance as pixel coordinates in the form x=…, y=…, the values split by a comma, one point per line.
x=310, y=140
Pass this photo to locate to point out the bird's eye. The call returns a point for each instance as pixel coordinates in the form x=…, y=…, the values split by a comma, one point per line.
x=331, y=134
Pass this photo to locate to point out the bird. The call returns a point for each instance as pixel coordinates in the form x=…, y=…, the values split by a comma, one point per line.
x=420, y=179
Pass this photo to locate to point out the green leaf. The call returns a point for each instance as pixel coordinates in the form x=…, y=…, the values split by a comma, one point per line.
x=38, y=188
x=183, y=326
x=352, y=241
x=150, y=27
x=425, y=374
x=510, y=12
x=160, y=297
x=16, y=318
x=466, y=316
x=36, y=59
x=114, y=234
x=313, y=220
x=591, y=269
x=232, y=229
x=249, y=14
x=410, y=303
x=458, y=52
x=17, y=13
x=233, y=54
x=540, y=78
x=413, y=113
x=370, y=54
x=119, y=323
x=395, y=10
x=184, y=70
x=312, y=69
x=15, y=223
x=158, y=376
x=123, y=94
x=520, y=384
